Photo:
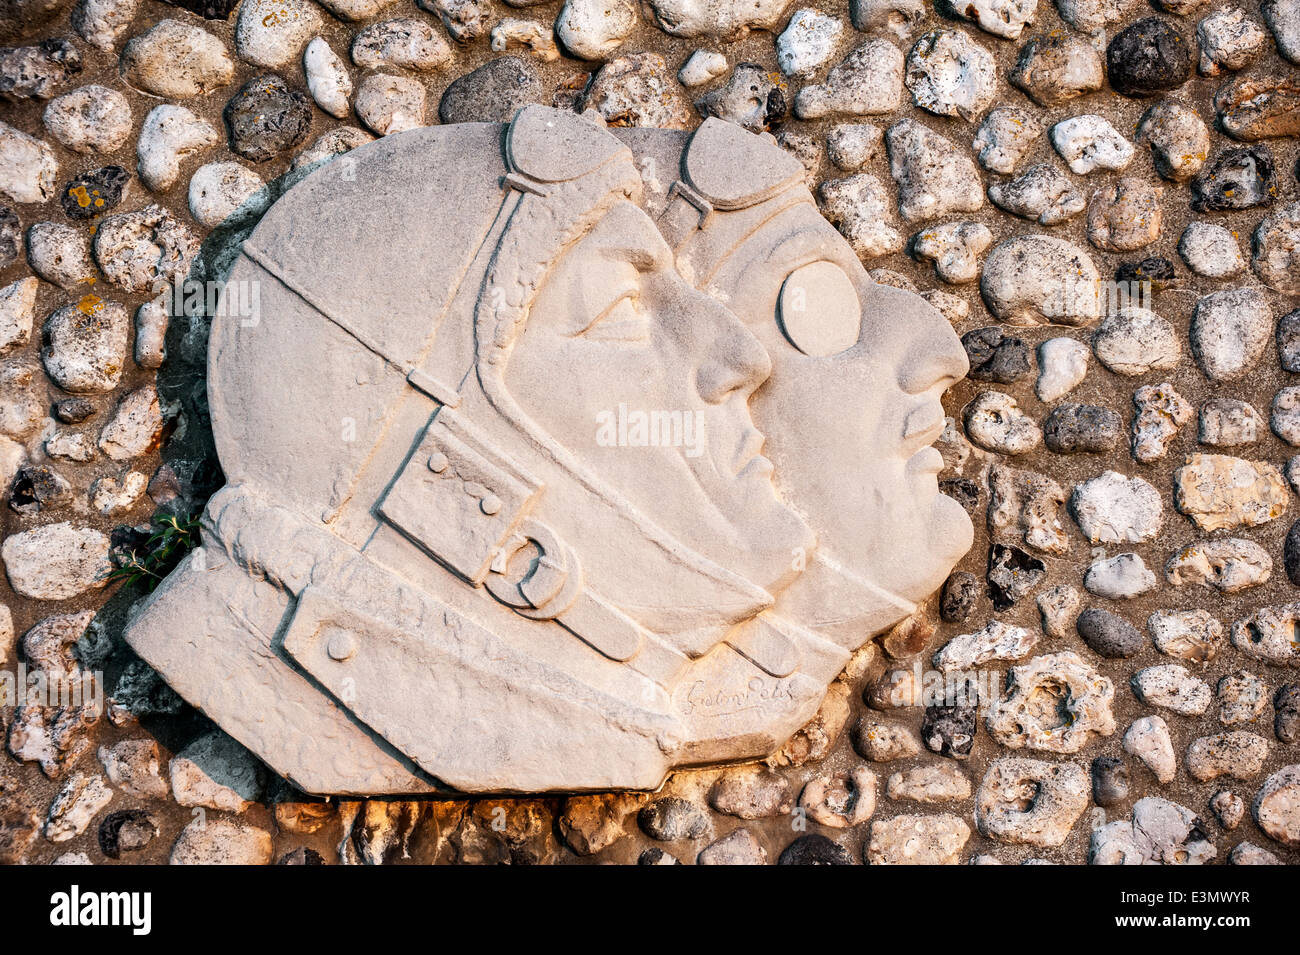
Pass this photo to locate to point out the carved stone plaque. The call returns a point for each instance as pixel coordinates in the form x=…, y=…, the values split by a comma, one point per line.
x=558, y=457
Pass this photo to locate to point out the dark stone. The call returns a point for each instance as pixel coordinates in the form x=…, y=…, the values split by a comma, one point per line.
x=11, y=236
x=94, y=193
x=960, y=592
x=814, y=849
x=1012, y=574
x=493, y=93
x=36, y=487
x=949, y=730
x=1082, y=429
x=1286, y=719
x=1149, y=57
x=266, y=118
x=1236, y=178
x=964, y=491
x=73, y=410
x=673, y=818
x=1109, y=780
x=126, y=830
x=996, y=357
x=1153, y=269
x=1288, y=341
x=304, y=855
x=207, y=9
x=656, y=856
x=36, y=72
x=1107, y=634
x=1291, y=553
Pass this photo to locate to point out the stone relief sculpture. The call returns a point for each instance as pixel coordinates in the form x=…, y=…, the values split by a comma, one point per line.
x=558, y=458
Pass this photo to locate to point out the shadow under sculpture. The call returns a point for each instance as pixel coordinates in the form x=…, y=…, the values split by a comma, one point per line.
x=548, y=472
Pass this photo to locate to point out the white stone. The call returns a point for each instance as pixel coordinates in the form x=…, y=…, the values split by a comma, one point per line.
x=89, y=119
x=272, y=33
x=55, y=561
x=1276, y=247
x=84, y=348
x=1186, y=634
x=390, y=104
x=594, y=29
x=1229, y=40
x=1268, y=634
x=1148, y=739
x=862, y=208
x=954, y=248
x=1089, y=142
x=77, y=803
x=1062, y=366
x=225, y=190
x=930, y=783
x=1136, y=341
x=850, y=146
x=170, y=134
x=151, y=321
x=1179, y=140
x=1160, y=833
x=145, y=249
x=1113, y=509
x=1227, y=564
x=1091, y=16
x=1285, y=417
x=1161, y=412
x=134, y=427
x=1081, y=710
x=27, y=166
x=403, y=43
x=17, y=304
x=1229, y=332
x=515, y=33
x=949, y=74
x=215, y=772
x=1004, y=811
x=1042, y=193
x=1211, y=250
x=934, y=177
x=1040, y=280
x=1283, y=19
x=1277, y=805
x=917, y=840
x=134, y=767
x=868, y=82
x=995, y=422
x=112, y=496
x=1121, y=577
x=178, y=59
x=1172, y=687
x=994, y=641
x=1005, y=137
x=1237, y=754
x=59, y=253
x=327, y=78
x=701, y=67
x=221, y=841
x=101, y=23
x=1003, y=18
x=807, y=43
x=1125, y=215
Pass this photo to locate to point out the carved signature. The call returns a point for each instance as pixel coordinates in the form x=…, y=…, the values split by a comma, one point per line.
x=721, y=701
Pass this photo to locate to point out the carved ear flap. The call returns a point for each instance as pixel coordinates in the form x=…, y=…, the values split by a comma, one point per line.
x=551, y=145
x=719, y=148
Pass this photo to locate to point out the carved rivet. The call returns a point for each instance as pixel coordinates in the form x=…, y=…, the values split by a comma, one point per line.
x=490, y=504
x=438, y=462
x=341, y=646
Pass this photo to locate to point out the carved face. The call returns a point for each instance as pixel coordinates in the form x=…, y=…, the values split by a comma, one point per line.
x=648, y=381
x=853, y=402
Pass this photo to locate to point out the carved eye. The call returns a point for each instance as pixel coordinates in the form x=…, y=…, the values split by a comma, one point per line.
x=819, y=310
x=622, y=321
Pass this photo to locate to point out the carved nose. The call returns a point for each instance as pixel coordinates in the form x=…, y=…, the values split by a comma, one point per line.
x=734, y=360
x=934, y=357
